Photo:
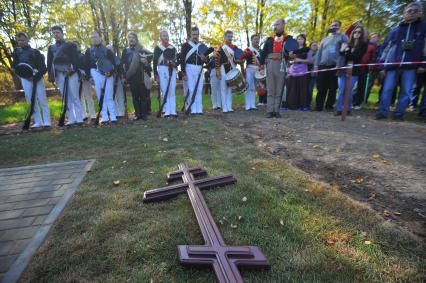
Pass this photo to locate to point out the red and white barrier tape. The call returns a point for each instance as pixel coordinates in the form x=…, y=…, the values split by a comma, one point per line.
x=365, y=65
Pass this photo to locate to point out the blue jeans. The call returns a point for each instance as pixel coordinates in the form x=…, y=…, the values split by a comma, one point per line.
x=408, y=77
x=422, y=109
x=341, y=100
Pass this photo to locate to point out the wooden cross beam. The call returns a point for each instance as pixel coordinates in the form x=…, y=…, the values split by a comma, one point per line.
x=224, y=259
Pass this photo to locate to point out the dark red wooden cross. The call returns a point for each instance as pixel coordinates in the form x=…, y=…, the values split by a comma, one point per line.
x=224, y=259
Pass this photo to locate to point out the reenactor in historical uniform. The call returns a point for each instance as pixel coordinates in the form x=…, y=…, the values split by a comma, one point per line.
x=136, y=62
x=99, y=62
x=193, y=56
x=29, y=65
x=164, y=64
x=272, y=56
x=62, y=66
x=225, y=60
x=252, y=56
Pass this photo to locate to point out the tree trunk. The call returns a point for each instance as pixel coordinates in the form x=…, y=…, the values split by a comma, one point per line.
x=368, y=14
x=104, y=24
x=315, y=18
x=187, y=4
x=324, y=17
x=261, y=16
x=246, y=22
x=95, y=15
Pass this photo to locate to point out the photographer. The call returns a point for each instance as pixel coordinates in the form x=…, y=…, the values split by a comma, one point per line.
x=405, y=43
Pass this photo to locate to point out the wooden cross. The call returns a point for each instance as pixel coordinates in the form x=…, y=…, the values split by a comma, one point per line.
x=224, y=259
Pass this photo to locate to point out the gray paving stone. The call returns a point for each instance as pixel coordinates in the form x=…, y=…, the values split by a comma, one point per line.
x=45, y=173
x=15, y=192
x=34, y=211
x=16, y=223
x=11, y=214
x=40, y=220
x=27, y=179
x=31, y=199
x=63, y=181
x=54, y=200
x=13, y=247
x=6, y=262
x=16, y=198
x=26, y=185
x=53, y=194
x=18, y=233
x=23, y=204
x=46, y=188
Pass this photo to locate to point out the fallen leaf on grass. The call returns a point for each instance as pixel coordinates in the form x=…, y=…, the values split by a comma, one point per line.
x=124, y=161
x=376, y=155
x=337, y=187
x=233, y=226
x=240, y=217
x=367, y=242
x=151, y=172
x=329, y=242
x=116, y=182
x=316, y=146
x=359, y=181
x=397, y=213
x=281, y=222
x=165, y=139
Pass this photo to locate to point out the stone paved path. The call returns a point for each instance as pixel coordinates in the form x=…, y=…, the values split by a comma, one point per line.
x=31, y=198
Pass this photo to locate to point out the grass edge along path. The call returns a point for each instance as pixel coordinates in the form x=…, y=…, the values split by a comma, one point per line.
x=308, y=230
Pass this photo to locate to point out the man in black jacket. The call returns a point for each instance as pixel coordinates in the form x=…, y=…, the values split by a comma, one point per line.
x=136, y=65
x=100, y=64
x=62, y=62
x=25, y=54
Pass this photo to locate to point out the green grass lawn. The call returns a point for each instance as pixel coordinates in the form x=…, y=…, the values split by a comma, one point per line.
x=16, y=112
x=308, y=230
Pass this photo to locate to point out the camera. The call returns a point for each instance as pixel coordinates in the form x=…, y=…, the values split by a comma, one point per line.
x=407, y=45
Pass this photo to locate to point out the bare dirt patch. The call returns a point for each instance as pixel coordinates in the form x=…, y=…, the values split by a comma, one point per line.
x=379, y=163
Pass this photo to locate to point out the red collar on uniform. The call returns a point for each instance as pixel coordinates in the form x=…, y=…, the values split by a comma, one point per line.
x=165, y=44
x=232, y=46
